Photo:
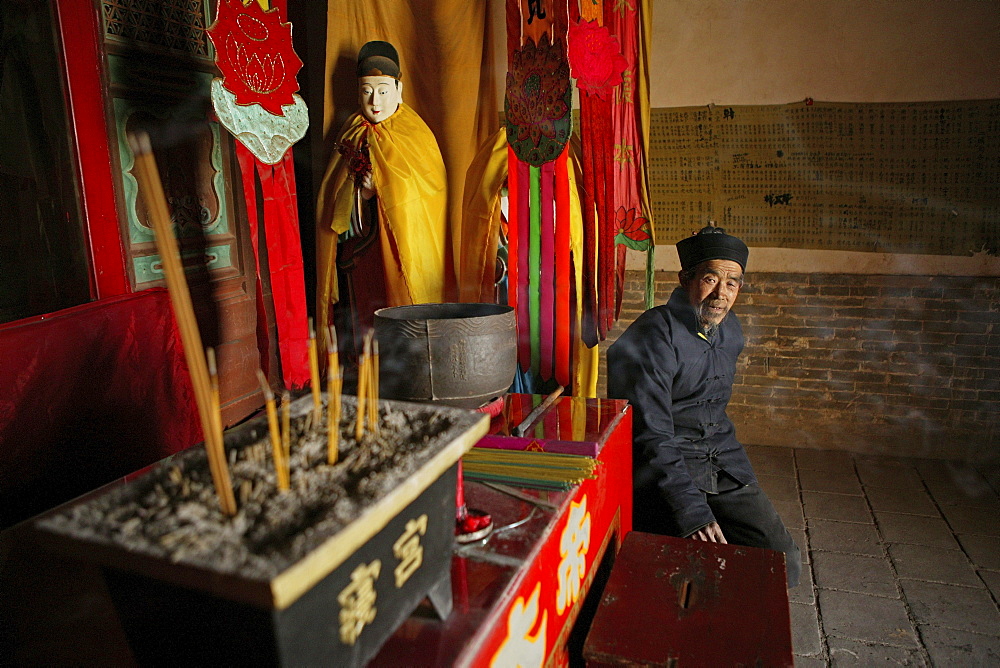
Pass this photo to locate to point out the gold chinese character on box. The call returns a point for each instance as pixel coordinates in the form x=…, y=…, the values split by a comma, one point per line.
x=357, y=601
x=408, y=549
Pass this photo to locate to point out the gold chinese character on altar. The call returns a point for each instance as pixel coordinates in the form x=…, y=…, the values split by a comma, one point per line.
x=520, y=647
x=357, y=601
x=573, y=546
x=408, y=549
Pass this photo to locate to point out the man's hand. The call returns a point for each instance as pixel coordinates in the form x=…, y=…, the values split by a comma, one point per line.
x=710, y=534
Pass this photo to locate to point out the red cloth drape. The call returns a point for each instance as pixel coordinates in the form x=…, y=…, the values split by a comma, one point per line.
x=91, y=393
x=284, y=258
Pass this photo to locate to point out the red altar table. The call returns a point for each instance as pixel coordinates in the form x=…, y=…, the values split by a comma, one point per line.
x=518, y=594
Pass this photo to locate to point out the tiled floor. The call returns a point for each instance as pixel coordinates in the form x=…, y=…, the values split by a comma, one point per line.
x=902, y=557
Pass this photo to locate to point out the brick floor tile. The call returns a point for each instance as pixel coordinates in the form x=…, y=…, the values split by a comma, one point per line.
x=799, y=536
x=779, y=487
x=991, y=471
x=804, y=592
x=948, y=647
x=767, y=462
x=776, y=452
x=821, y=505
x=844, y=537
x=830, y=481
x=824, y=460
x=961, y=608
x=866, y=618
x=984, y=551
x=983, y=521
x=914, y=502
x=971, y=491
x=935, y=564
x=944, y=469
x=992, y=580
x=846, y=652
x=874, y=473
x=790, y=513
x=900, y=528
x=851, y=572
x=805, y=629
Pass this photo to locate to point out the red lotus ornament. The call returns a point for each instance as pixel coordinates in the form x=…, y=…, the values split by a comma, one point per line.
x=595, y=58
x=253, y=49
x=632, y=230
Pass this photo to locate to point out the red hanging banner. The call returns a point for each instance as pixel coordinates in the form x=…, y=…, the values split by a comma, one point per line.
x=256, y=101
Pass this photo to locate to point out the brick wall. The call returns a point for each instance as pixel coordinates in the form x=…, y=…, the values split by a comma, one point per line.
x=901, y=364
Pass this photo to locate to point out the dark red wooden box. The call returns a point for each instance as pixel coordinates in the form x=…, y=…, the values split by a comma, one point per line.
x=675, y=601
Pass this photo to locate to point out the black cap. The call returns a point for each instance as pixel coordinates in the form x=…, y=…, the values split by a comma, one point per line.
x=378, y=59
x=712, y=243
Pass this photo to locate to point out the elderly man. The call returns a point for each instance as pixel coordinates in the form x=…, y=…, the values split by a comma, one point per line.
x=675, y=364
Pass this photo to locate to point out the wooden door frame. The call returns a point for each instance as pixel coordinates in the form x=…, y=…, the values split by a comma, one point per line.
x=78, y=25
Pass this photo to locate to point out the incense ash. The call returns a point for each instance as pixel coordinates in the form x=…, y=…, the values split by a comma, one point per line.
x=173, y=512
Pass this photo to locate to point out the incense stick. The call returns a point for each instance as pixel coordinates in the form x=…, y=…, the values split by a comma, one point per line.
x=217, y=459
x=156, y=204
x=373, y=393
x=213, y=463
x=359, y=425
x=272, y=423
x=332, y=348
x=333, y=381
x=314, y=373
x=286, y=433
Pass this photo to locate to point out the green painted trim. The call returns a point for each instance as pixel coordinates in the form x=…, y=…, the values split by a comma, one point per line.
x=148, y=268
x=139, y=233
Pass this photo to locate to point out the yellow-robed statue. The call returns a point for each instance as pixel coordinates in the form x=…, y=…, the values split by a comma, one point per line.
x=384, y=197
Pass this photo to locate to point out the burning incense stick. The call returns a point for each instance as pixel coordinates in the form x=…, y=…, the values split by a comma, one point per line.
x=373, y=392
x=332, y=349
x=272, y=423
x=217, y=459
x=286, y=432
x=156, y=204
x=314, y=373
x=213, y=463
x=334, y=378
x=335, y=383
x=359, y=424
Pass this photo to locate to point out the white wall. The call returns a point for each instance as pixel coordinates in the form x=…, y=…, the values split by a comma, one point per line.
x=780, y=51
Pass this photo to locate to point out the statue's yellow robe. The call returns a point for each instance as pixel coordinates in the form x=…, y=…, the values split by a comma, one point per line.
x=411, y=191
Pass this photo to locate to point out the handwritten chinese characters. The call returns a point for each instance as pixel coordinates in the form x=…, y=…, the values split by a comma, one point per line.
x=886, y=177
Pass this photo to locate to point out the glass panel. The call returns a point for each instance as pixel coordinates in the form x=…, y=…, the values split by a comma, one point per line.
x=43, y=258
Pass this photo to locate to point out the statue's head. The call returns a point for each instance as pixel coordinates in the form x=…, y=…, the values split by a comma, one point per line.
x=379, y=87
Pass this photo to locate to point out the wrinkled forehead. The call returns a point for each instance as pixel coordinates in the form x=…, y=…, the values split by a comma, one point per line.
x=723, y=268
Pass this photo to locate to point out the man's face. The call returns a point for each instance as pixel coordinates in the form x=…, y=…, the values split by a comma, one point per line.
x=379, y=97
x=713, y=289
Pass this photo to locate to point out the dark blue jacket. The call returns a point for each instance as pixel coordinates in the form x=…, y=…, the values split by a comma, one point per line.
x=679, y=384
